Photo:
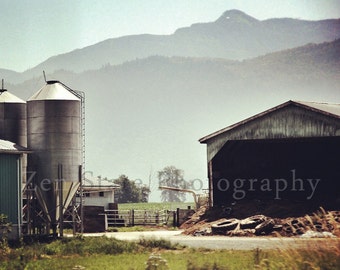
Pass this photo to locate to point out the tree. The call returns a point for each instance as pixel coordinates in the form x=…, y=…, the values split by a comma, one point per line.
x=129, y=192
x=172, y=177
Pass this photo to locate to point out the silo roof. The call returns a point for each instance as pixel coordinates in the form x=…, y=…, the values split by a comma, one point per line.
x=53, y=90
x=7, y=97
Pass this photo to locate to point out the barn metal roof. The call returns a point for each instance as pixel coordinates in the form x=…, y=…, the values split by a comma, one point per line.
x=324, y=108
x=11, y=148
x=332, y=110
x=101, y=188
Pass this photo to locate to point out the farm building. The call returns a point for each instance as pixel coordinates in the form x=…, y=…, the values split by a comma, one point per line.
x=281, y=162
x=99, y=195
x=51, y=125
x=11, y=173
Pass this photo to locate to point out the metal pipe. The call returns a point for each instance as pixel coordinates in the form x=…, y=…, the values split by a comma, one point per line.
x=2, y=87
x=81, y=190
x=61, y=200
x=19, y=195
x=182, y=190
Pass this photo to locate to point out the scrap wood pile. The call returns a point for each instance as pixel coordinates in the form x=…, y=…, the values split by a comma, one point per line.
x=320, y=224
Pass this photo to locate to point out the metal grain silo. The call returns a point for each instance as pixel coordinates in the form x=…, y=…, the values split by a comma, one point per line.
x=12, y=157
x=12, y=118
x=54, y=135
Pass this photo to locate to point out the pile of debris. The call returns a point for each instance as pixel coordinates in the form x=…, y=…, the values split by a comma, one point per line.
x=322, y=222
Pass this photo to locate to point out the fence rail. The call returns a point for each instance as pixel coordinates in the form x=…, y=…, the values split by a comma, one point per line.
x=115, y=218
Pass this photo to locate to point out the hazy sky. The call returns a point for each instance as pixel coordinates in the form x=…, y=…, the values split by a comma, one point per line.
x=34, y=30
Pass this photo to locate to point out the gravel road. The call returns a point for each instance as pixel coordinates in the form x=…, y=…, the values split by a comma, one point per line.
x=220, y=242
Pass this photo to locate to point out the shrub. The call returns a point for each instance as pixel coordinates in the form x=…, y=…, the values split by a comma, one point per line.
x=5, y=228
x=106, y=245
x=89, y=245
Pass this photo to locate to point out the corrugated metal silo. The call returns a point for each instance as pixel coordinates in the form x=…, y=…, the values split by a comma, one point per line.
x=12, y=118
x=54, y=135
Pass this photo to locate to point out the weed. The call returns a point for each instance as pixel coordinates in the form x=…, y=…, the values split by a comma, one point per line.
x=158, y=243
x=207, y=266
x=322, y=255
x=156, y=262
x=259, y=256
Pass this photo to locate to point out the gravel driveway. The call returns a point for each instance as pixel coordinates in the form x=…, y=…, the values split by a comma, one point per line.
x=219, y=242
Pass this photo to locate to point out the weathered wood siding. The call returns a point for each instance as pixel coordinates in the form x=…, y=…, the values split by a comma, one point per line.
x=287, y=122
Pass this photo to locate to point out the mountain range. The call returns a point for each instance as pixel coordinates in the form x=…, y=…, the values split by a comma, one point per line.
x=234, y=35
x=147, y=111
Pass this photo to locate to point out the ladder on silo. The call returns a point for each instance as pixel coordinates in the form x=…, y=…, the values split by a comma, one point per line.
x=81, y=96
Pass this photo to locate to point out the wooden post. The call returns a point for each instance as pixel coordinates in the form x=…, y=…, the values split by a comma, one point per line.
x=132, y=217
x=157, y=217
x=210, y=176
x=106, y=223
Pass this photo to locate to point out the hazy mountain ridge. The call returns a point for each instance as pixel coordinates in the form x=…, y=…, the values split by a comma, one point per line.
x=149, y=112
x=9, y=75
x=304, y=62
x=234, y=35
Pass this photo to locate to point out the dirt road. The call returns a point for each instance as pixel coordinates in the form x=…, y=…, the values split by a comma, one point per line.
x=220, y=242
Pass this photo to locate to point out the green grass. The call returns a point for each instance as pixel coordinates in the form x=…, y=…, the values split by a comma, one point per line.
x=219, y=259
x=155, y=206
x=185, y=259
x=232, y=259
x=110, y=253
x=98, y=261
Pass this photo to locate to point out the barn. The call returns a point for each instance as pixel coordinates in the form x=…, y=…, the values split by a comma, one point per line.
x=100, y=195
x=281, y=162
x=11, y=174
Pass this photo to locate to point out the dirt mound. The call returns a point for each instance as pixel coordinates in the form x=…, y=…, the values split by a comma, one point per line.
x=203, y=223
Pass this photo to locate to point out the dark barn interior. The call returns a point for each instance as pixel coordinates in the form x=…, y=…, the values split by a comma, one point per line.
x=278, y=177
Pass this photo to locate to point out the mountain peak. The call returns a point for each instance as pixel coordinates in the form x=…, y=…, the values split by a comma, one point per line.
x=235, y=15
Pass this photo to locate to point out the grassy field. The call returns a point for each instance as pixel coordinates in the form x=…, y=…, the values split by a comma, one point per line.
x=191, y=260
x=109, y=253
x=155, y=206
x=158, y=254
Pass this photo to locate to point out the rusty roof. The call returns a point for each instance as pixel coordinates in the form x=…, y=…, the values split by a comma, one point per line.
x=329, y=109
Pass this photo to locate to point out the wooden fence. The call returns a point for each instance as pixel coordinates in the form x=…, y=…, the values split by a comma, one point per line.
x=118, y=218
